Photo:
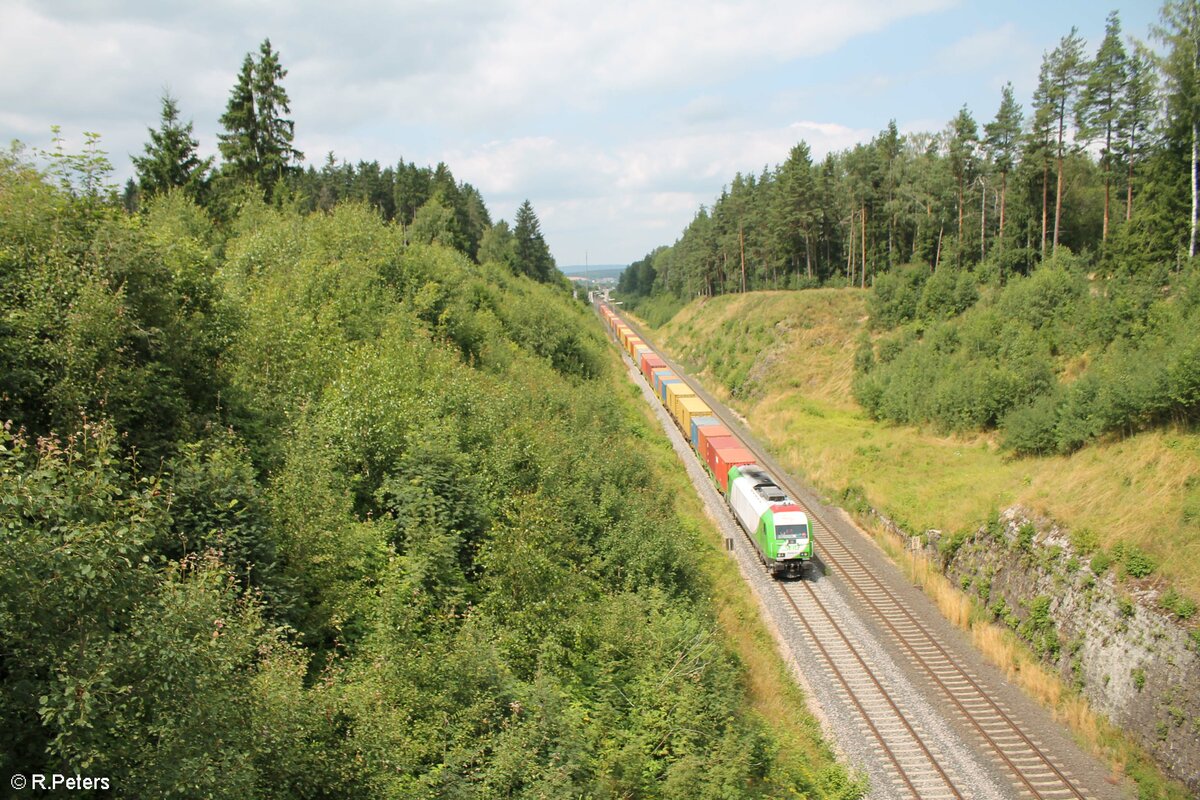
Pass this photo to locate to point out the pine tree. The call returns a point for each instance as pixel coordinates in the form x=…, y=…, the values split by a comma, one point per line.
x=1138, y=107
x=1040, y=142
x=171, y=160
x=532, y=255
x=1099, y=109
x=257, y=144
x=961, y=146
x=1001, y=137
x=1065, y=69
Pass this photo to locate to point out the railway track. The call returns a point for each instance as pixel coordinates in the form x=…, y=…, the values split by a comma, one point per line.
x=916, y=765
x=911, y=757
x=1033, y=770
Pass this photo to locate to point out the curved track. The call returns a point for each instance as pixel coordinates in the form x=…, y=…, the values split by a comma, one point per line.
x=910, y=757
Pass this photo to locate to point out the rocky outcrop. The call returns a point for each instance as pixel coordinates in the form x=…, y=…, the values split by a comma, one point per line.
x=1111, y=629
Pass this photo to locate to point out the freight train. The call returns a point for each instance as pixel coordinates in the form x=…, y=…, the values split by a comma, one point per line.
x=774, y=523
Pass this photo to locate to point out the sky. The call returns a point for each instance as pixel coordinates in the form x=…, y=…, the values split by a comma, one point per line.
x=616, y=120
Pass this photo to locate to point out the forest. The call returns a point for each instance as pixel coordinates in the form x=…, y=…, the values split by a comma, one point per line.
x=317, y=483
x=1033, y=275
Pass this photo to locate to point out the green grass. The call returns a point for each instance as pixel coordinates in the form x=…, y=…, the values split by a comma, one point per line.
x=796, y=351
x=785, y=360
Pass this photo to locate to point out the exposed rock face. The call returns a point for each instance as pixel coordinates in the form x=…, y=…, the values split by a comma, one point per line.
x=1135, y=660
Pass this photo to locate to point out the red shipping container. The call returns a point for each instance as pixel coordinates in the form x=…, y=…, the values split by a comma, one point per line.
x=650, y=362
x=724, y=459
x=715, y=443
x=707, y=434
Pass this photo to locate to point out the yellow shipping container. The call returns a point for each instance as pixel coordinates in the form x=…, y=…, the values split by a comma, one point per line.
x=691, y=407
x=674, y=392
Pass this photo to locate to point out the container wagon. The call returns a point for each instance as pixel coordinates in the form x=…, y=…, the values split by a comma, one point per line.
x=778, y=528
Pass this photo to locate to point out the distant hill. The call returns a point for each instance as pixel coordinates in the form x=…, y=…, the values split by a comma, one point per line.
x=595, y=271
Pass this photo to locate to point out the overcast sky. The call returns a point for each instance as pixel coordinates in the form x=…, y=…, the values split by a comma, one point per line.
x=615, y=119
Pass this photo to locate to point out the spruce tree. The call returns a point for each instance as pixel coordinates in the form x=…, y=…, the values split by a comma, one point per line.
x=532, y=255
x=171, y=160
x=257, y=144
x=1001, y=137
x=275, y=142
x=239, y=144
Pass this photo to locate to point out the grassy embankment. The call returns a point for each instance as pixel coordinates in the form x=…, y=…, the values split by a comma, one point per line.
x=775, y=697
x=784, y=360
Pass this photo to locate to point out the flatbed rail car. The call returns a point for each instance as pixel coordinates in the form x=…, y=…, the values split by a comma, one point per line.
x=775, y=524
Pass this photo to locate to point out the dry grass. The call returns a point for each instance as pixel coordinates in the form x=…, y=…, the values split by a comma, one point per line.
x=809, y=337
x=1143, y=489
x=1001, y=647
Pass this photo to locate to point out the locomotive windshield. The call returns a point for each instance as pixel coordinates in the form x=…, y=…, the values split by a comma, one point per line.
x=791, y=532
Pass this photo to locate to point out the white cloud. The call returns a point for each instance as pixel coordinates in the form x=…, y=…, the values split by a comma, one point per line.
x=505, y=91
x=639, y=193
x=982, y=48
x=548, y=56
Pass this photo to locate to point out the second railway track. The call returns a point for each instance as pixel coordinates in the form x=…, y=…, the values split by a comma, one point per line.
x=911, y=755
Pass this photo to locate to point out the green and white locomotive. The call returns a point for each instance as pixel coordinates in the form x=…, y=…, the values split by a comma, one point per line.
x=778, y=527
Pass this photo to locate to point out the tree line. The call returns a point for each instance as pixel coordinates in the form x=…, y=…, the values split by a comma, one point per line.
x=1099, y=164
x=258, y=156
x=1033, y=276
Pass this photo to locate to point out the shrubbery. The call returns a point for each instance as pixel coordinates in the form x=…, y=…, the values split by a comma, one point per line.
x=1010, y=358
x=318, y=513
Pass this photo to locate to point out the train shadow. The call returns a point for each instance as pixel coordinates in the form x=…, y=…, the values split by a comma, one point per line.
x=813, y=572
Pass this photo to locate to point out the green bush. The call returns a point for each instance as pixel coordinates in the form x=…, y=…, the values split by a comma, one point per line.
x=1084, y=540
x=947, y=293
x=966, y=360
x=895, y=296
x=1134, y=562
x=1182, y=607
x=950, y=545
x=1025, y=534
x=1032, y=429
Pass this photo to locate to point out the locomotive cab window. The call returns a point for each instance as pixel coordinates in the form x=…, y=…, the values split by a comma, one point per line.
x=791, y=532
